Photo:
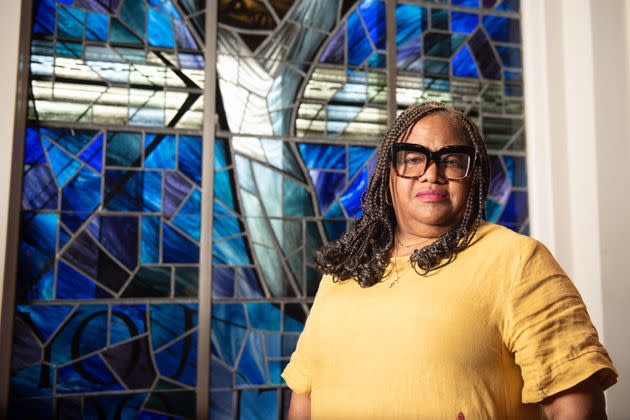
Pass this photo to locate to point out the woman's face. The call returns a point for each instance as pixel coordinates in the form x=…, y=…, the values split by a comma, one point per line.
x=428, y=206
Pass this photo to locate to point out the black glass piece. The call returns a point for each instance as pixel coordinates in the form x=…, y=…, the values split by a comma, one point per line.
x=487, y=60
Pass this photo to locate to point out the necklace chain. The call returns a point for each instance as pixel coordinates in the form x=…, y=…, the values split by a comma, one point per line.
x=398, y=276
x=410, y=245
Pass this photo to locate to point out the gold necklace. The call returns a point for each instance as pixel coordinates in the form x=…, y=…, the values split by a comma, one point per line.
x=398, y=276
x=409, y=246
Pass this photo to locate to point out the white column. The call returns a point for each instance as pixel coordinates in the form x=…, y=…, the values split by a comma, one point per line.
x=9, y=33
x=576, y=59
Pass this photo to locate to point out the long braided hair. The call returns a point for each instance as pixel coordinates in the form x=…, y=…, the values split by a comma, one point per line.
x=363, y=251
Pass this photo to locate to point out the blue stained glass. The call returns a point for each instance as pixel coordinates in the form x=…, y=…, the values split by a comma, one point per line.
x=510, y=56
x=251, y=366
x=93, y=154
x=220, y=375
x=338, y=117
x=408, y=57
x=44, y=17
x=167, y=7
x=275, y=369
x=254, y=402
x=273, y=343
x=124, y=149
x=169, y=321
x=71, y=140
x=377, y=61
x=118, y=235
x=327, y=186
x=297, y=201
x=87, y=375
x=33, y=381
x=289, y=342
x=334, y=229
x=292, y=324
x=466, y=3
x=247, y=285
x=33, y=152
x=39, y=190
x=46, y=319
x=179, y=360
x=160, y=30
x=96, y=27
x=516, y=209
x=335, y=211
x=503, y=29
x=359, y=47
x=243, y=173
x=150, y=246
x=223, y=189
x=37, y=246
x=264, y=316
x=220, y=154
x=464, y=65
x=439, y=19
x=410, y=22
x=134, y=12
x=357, y=156
x=231, y=251
x=222, y=282
x=189, y=154
x=69, y=49
x=186, y=281
x=335, y=49
x=178, y=249
x=373, y=13
x=127, y=321
x=510, y=6
x=88, y=327
x=192, y=206
x=464, y=22
x=351, y=198
x=516, y=170
x=124, y=406
x=73, y=285
x=221, y=403
x=191, y=61
x=499, y=188
x=189, y=224
x=319, y=156
x=119, y=33
x=223, y=227
x=63, y=165
x=43, y=289
x=183, y=36
x=70, y=22
x=442, y=45
x=83, y=193
x=228, y=331
x=163, y=155
x=484, y=55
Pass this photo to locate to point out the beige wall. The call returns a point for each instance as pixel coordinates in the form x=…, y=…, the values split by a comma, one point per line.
x=9, y=31
x=577, y=92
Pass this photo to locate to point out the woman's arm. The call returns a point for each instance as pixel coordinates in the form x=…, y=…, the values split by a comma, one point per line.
x=300, y=407
x=583, y=401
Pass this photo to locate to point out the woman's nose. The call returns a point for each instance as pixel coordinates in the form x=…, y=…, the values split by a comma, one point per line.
x=431, y=174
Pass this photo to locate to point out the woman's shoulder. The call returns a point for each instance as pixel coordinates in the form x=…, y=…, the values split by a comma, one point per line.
x=494, y=237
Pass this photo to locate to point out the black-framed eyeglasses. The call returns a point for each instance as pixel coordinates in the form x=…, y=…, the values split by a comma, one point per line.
x=412, y=160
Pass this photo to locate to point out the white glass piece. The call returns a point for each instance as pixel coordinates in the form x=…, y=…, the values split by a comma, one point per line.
x=249, y=146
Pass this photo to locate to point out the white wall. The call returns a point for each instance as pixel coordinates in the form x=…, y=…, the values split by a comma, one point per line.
x=577, y=92
x=9, y=31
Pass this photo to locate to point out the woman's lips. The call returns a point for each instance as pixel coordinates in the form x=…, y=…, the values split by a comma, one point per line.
x=432, y=195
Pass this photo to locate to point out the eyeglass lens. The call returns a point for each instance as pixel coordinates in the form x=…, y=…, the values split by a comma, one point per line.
x=414, y=164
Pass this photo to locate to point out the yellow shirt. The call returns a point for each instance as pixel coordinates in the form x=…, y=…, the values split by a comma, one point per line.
x=498, y=329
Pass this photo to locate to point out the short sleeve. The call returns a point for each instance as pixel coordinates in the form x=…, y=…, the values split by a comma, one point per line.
x=299, y=372
x=549, y=331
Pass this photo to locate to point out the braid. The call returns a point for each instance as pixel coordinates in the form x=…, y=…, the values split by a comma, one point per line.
x=364, y=250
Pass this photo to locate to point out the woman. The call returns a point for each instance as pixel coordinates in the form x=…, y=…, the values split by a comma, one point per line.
x=427, y=311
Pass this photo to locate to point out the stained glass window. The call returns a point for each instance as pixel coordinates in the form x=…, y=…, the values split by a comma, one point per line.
x=108, y=285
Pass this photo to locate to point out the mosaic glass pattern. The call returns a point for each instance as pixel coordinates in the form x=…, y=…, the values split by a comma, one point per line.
x=106, y=320
x=305, y=116
x=107, y=298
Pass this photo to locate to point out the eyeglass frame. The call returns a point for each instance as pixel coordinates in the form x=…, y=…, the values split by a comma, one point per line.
x=432, y=156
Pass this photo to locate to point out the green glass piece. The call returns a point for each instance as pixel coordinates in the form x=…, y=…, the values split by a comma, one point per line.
x=497, y=131
x=186, y=281
x=134, y=14
x=119, y=33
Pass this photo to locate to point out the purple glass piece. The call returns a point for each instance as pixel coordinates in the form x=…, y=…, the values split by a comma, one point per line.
x=119, y=236
x=26, y=349
x=334, y=52
x=486, y=58
x=408, y=57
x=183, y=37
x=39, y=190
x=488, y=4
x=176, y=188
x=132, y=363
x=83, y=254
x=102, y=6
x=499, y=183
